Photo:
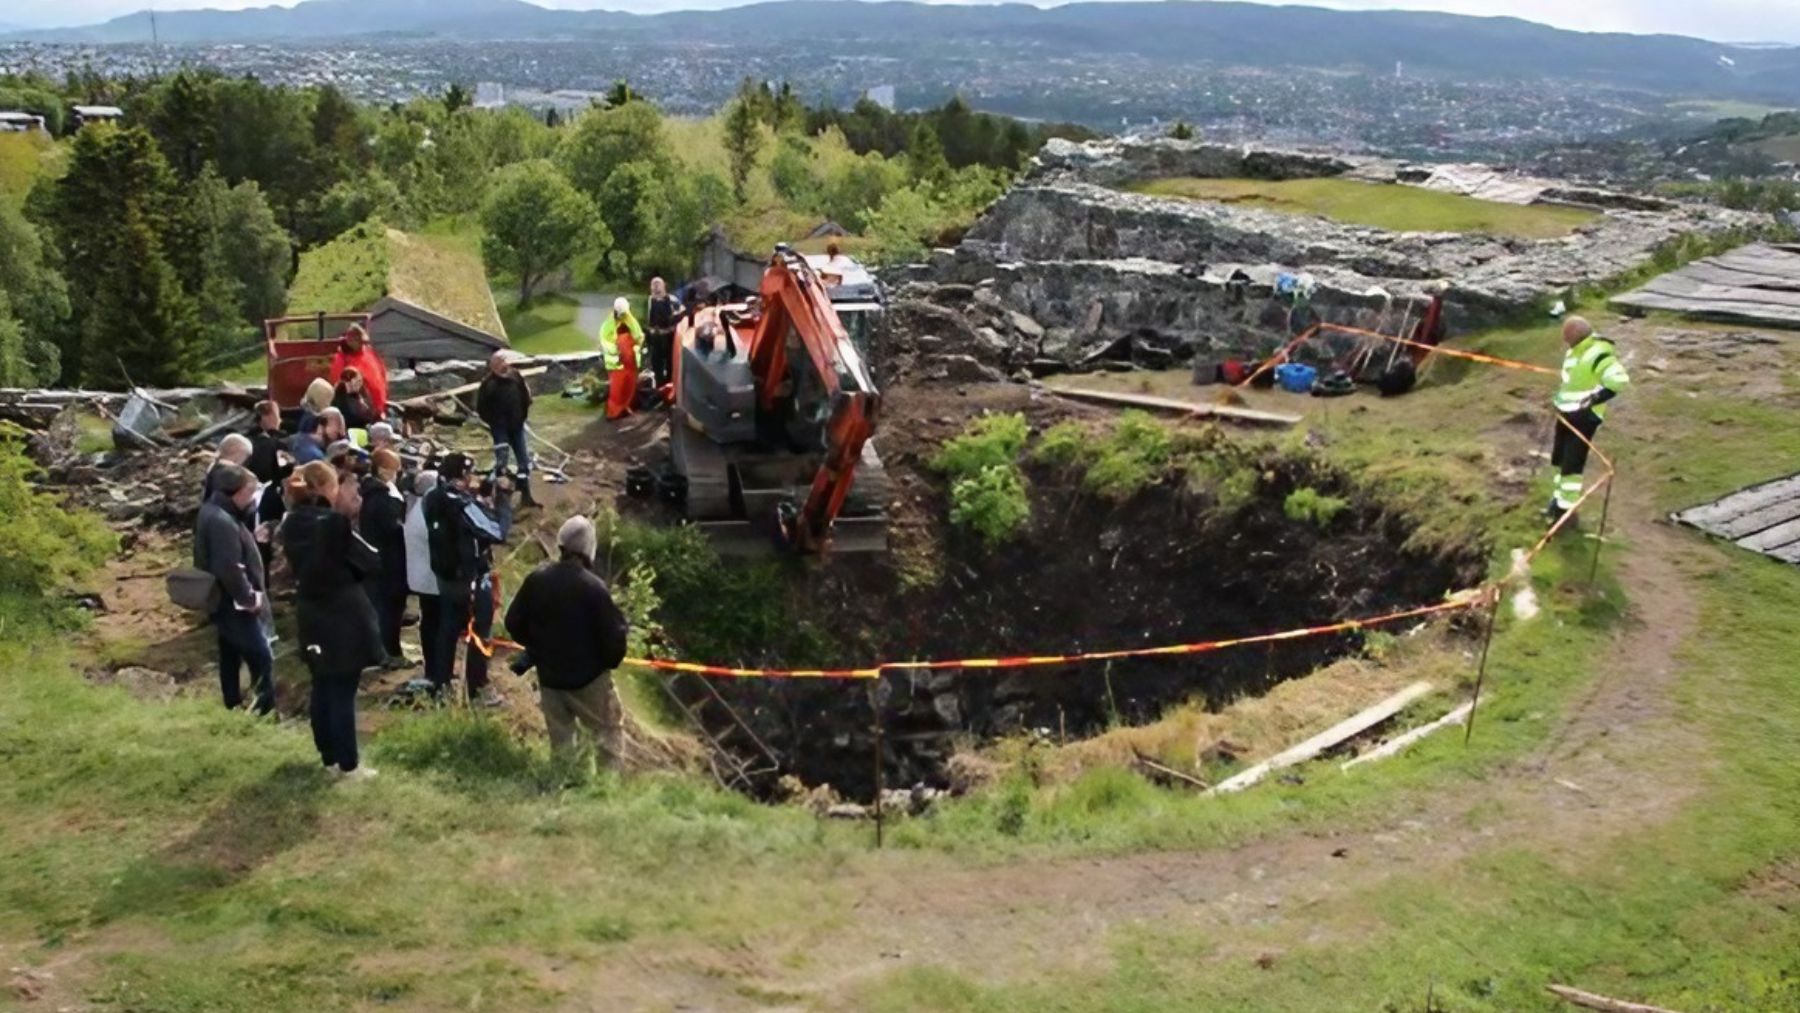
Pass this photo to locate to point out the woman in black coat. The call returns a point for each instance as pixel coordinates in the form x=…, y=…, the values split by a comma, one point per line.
x=339, y=635
x=381, y=521
x=351, y=397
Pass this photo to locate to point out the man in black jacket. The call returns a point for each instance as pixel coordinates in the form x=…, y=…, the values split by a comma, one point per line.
x=566, y=619
x=267, y=453
x=461, y=532
x=380, y=521
x=661, y=315
x=503, y=402
x=225, y=548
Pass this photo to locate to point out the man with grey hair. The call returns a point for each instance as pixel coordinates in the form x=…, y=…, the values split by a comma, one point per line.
x=566, y=619
x=224, y=547
x=1592, y=375
x=233, y=449
x=503, y=402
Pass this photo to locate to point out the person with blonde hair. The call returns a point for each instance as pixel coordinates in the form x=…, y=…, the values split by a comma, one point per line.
x=318, y=397
x=339, y=633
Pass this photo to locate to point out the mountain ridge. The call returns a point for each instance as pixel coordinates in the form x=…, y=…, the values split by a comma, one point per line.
x=1223, y=31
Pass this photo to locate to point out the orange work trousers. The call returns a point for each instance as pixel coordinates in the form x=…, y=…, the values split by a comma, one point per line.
x=622, y=382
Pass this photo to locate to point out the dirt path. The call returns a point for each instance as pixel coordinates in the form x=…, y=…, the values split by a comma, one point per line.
x=592, y=311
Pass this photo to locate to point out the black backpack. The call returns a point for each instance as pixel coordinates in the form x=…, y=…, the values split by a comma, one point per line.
x=1398, y=378
x=443, y=525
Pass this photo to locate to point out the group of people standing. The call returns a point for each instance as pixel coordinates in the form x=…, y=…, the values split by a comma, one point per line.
x=621, y=335
x=361, y=537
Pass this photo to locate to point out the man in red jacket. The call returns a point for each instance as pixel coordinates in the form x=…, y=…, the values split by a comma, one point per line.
x=356, y=350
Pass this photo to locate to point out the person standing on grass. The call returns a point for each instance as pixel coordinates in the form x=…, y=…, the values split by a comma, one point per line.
x=419, y=578
x=620, y=337
x=566, y=619
x=225, y=548
x=661, y=315
x=381, y=521
x=271, y=465
x=1592, y=375
x=503, y=402
x=463, y=524
x=339, y=633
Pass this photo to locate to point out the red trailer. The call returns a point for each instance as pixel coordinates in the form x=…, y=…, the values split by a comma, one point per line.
x=300, y=349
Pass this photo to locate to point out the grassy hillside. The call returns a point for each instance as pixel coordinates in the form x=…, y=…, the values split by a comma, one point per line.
x=1394, y=207
x=23, y=159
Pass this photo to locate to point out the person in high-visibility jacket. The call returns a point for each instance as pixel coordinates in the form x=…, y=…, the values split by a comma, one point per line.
x=620, y=337
x=1592, y=375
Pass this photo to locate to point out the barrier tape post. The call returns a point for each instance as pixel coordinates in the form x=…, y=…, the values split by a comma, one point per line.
x=1600, y=536
x=880, y=783
x=1487, y=640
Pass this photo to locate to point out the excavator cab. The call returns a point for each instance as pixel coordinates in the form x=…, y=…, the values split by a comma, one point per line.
x=769, y=433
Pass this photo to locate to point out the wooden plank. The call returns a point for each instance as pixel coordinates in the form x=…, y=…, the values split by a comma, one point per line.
x=1606, y=1004
x=1353, y=725
x=1400, y=743
x=1750, y=523
x=1773, y=538
x=467, y=388
x=1741, y=502
x=1164, y=404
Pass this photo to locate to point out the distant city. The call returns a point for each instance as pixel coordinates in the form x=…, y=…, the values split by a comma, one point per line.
x=1417, y=115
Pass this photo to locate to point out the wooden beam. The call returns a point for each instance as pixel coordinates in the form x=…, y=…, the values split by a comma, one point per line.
x=419, y=401
x=1354, y=725
x=1164, y=404
x=1401, y=742
x=1592, y=1000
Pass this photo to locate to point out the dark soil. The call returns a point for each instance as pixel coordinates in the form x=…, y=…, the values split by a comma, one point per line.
x=1162, y=568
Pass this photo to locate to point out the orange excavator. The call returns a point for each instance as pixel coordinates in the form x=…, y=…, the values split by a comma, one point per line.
x=773, y=412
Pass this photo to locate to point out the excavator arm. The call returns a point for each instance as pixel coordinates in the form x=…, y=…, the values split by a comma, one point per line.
x=795, y=302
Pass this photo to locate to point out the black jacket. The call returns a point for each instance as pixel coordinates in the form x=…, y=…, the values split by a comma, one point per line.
x=358, y=409
x=662, y=313
x=263, y=462
x=566, y=618
x=382, y=523
x=503, y=402
x=461, y=535
x=224, y=547
x=339, y=634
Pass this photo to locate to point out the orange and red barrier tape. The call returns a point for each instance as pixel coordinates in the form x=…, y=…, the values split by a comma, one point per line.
x=1460, y=601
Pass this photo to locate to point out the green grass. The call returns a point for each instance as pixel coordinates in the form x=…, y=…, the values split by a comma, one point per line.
x=549, y=325
x=343, y=276
x=1395, y=207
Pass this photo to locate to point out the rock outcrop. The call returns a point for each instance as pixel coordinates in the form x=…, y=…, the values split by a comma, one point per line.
x=1075, y=272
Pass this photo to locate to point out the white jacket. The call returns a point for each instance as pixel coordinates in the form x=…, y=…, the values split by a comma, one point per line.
x=419, y=577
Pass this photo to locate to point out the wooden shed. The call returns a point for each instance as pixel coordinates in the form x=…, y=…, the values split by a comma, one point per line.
x=406, y=334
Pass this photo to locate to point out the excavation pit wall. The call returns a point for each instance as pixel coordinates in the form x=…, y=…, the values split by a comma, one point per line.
x=1166, y=566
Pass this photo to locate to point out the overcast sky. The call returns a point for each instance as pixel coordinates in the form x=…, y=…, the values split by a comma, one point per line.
x=1724, y=20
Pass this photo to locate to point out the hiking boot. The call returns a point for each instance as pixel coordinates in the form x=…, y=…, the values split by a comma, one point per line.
x=526, y=501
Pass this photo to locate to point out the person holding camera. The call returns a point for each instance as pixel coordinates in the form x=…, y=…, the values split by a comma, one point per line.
x=464, y=521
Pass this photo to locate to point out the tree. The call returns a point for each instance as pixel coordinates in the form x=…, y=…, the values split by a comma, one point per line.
x=260, y=254
x=34, y=304
x=925, y=160
x=743, y=142
x=619, y=94
x=536, y=221
x=371, y=195
x=456, y=98
x=633, y=201
x=604, y=139
x=791, y=172
x=142, y=326
x=1182, y=131
x=183, y=114
x=903, y=223
x=115, y=175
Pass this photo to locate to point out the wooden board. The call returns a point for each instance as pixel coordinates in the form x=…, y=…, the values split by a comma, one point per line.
x=1762, y=518
x=1353, y=725
x=1165, y=404
x=1758, y=284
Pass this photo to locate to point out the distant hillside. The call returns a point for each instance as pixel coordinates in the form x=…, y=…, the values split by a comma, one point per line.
x=1223, y=32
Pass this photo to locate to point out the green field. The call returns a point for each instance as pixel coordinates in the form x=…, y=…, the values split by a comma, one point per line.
x=1396, y=207
x=554, y=324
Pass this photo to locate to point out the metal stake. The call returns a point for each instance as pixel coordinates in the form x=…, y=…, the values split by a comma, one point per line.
x=880, y=783
x=1600, y=537
x=1487, y=640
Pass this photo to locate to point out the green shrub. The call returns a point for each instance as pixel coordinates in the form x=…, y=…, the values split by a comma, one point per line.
x=1064, y=445
x=1136, y=454
x=992, y=503
x=43, y=544
x=1310, y=505
x=987, y=441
